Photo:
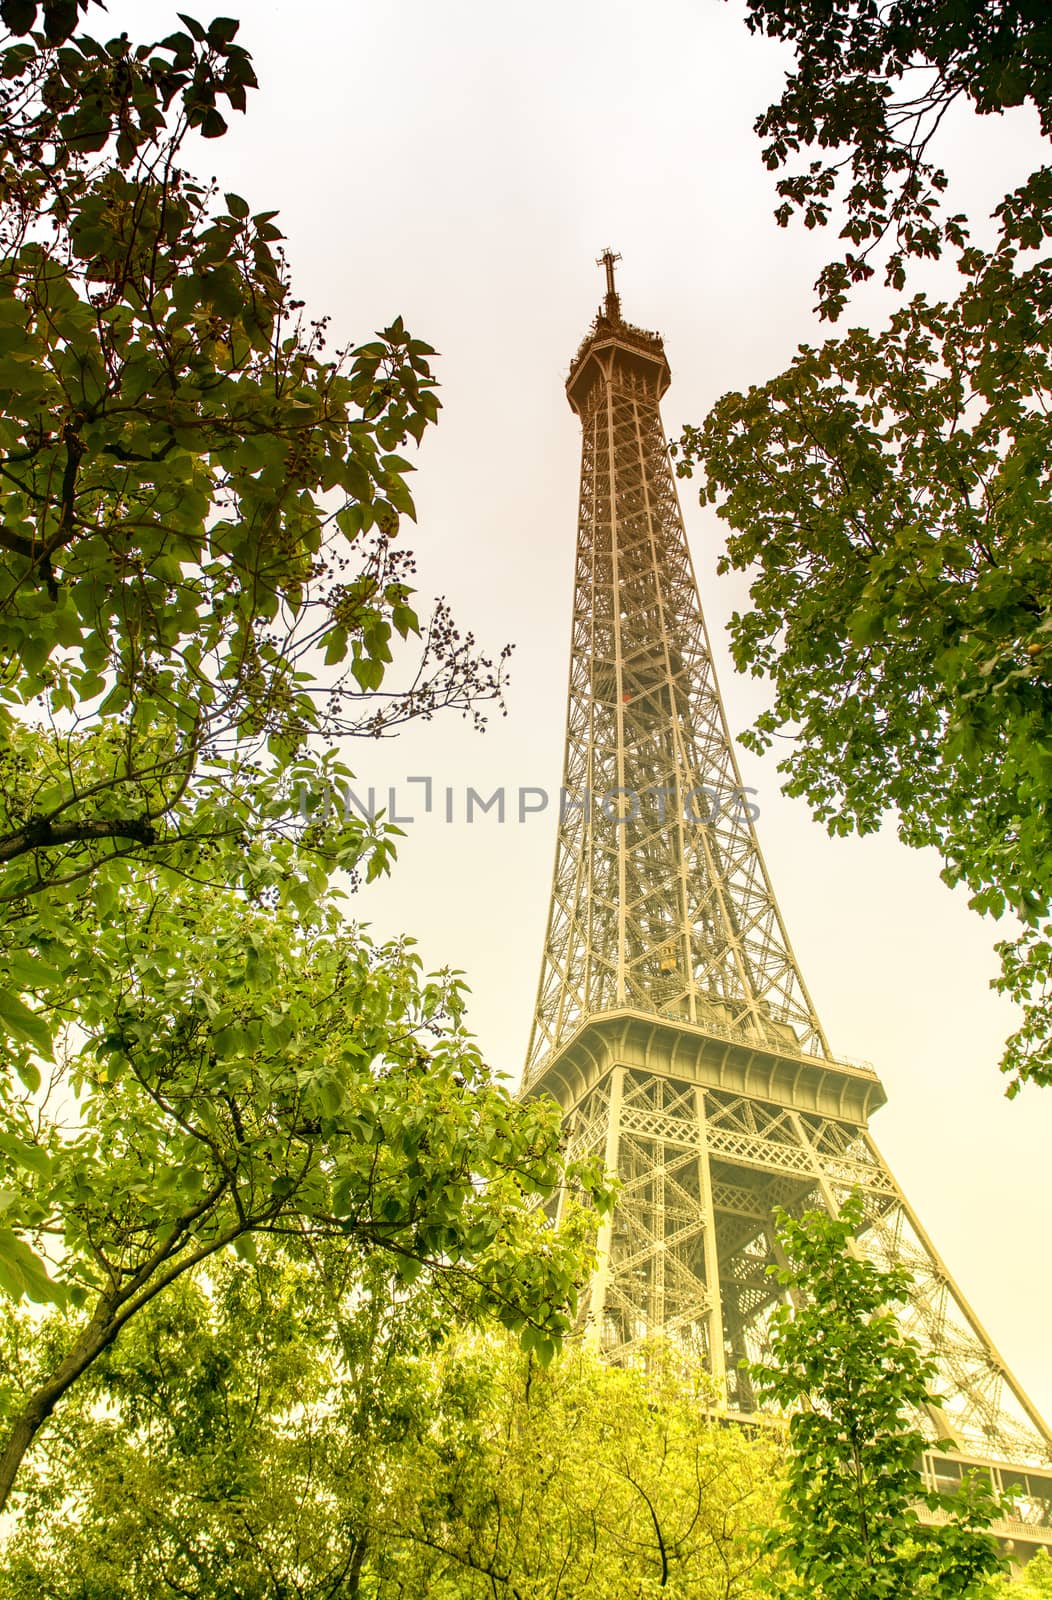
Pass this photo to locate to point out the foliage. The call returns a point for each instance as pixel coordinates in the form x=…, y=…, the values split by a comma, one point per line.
x=231, y=1069
x=578, y=1479
x=200, y=507
x=279, y=1435
x=849, y=1526
x=889, y=492
x=900, y=597
x=201, y=585
x=870, y=88
x=237, y=1440
x=1034, y=1583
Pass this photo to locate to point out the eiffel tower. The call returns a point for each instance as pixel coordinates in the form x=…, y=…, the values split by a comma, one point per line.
x=672, y=1023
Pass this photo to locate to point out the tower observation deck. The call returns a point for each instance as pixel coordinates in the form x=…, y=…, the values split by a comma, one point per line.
x=672, y=1022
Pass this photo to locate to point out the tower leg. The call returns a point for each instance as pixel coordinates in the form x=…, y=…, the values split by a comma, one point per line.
x=601, y=1276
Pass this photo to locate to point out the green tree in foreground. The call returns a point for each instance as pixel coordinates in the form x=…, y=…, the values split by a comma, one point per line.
x=889, y=492
x=848, y=1526
x=241, y=1439
x=235, y=1069
x=199, y=512
x=859, y=117
x=281, y=1435
x=579, y=1479
x=201, y=506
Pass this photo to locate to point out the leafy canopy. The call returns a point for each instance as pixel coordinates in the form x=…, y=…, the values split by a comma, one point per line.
x=849, y=1527
x=232, y=1068
x=201, y=585
x=242, y=1437
x=1035, y=1583
x=281, y=1434
x=581, y=1479
x=870, y=88
x=200, y=505
x=889, y=492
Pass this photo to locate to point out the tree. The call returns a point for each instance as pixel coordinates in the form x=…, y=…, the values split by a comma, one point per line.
x=200, y=507
x=1035, y=1582
x=849, y=1527
x=870, y=89
x=889, y=492
x=198, y=516
x=293, y=1431
x=234, y=1067
x=239, y=1440
x=576, y=1479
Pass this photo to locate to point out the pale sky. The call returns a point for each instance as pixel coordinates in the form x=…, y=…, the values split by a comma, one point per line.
x=462, y=165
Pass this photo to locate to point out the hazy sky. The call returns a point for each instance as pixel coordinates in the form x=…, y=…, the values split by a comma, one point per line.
x=462, y=165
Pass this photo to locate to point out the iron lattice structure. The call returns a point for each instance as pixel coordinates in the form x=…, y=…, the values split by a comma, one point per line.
x=672, y=1022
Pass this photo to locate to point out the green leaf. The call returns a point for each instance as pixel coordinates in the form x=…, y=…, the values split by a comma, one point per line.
x=221, y=30
x=22, y=1023
x=28, y=971
x=27, y=1155
x=192, y=26
x=23, y=1273
x=18, y=15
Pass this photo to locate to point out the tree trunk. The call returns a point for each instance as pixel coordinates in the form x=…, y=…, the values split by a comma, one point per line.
x=100, y=1332
x=354, y=1574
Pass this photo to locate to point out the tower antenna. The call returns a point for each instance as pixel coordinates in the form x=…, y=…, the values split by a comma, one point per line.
x=612, y=303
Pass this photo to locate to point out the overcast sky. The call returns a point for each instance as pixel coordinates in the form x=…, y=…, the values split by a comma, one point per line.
x=462, y=165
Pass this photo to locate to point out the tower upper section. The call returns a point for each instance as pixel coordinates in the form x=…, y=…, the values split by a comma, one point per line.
x=661, y=903
x=614, y=353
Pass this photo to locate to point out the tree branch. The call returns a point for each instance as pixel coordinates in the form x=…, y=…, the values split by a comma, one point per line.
x=42, y=834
